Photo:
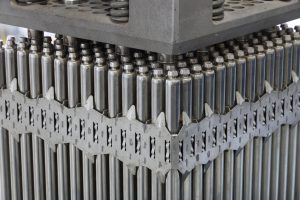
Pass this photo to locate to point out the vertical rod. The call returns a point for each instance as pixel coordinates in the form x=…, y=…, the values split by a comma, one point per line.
x=198, y=114
x=114, y=108
x=100, y=96
x=5, y=186
x=220, y=71
x=157, y=107
x=292, y=149
x=26, y=145
x=60, y=85
x=258, y=141
x=209, y=99
x=230, y=102
x=128, y=100
x=239, y=154
x=267, y=142
x=73, y=81
x=250, y=95
x=172, y=185
x=15, y=167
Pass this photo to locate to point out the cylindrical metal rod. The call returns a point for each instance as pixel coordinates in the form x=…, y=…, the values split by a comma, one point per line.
x=292, y=153
x=239, y=154
x=114, y=89
x=114, y=108
x=86, y=91
x=186, y=107
x=60, y=74
x=198, y=92
x=76, y=190
x=128, y=88
x=143, y=89
x=23, y=66
x=276, y=137
x=63, y=176
x=157, y=94
x=50, y=154
x=100, y=101
x=15, y=167
x=128, y=100
x=297, y=175
x=10, y=52
x=293, y=134
x=197, y=115
x=267, y=142
x=51, y=172
x=35, y=71
x=285, y=129
x=73, y=81
x=173, y=107
x=86, y=77
x=230, y=102
x=26, y=154
x=220, y=89
x=143, y=108
x=250, y=96
x=2, y=65
x=37, y=144
x=102, y=177
x=296, y=53
x=73, y=78
x=209, y=99
x=173, y=185
x=47, y=61
x=5, y=187
x=89, y=186
x=100, y=84
x=258, y=142
x=296, y=69
x=157, y=107
x=60, y=93
x=288, y=60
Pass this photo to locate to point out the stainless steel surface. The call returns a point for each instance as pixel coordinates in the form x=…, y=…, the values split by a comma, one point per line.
x=146, y=30
x=100, y=84
x=10, y=53
x=173, y=107
x=86, y=78
x=220, y=130
x=73, y=79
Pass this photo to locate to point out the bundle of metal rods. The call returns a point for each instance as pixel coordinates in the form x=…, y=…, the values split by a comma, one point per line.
x=155, y=88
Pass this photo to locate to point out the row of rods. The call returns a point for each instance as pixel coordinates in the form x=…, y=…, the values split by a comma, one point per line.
x=115, y=79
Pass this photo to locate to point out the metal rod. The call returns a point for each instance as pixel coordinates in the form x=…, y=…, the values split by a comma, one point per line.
x=5, y=186
x=250, y=95
x=114, y=108
x=100, y=97
x=230, y=102
x=220, y=71
x=15, y=167
x=239, y=155
x=60, y=93
x=209, y=99
x=73, y=81
x=26, y=145
x=128, y=100
x=173, y=185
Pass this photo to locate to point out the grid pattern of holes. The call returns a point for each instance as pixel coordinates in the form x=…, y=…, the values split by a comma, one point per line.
x=232, y=5
x=89, y=6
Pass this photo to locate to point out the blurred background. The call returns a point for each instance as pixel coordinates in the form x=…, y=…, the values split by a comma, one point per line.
x=8, y=30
